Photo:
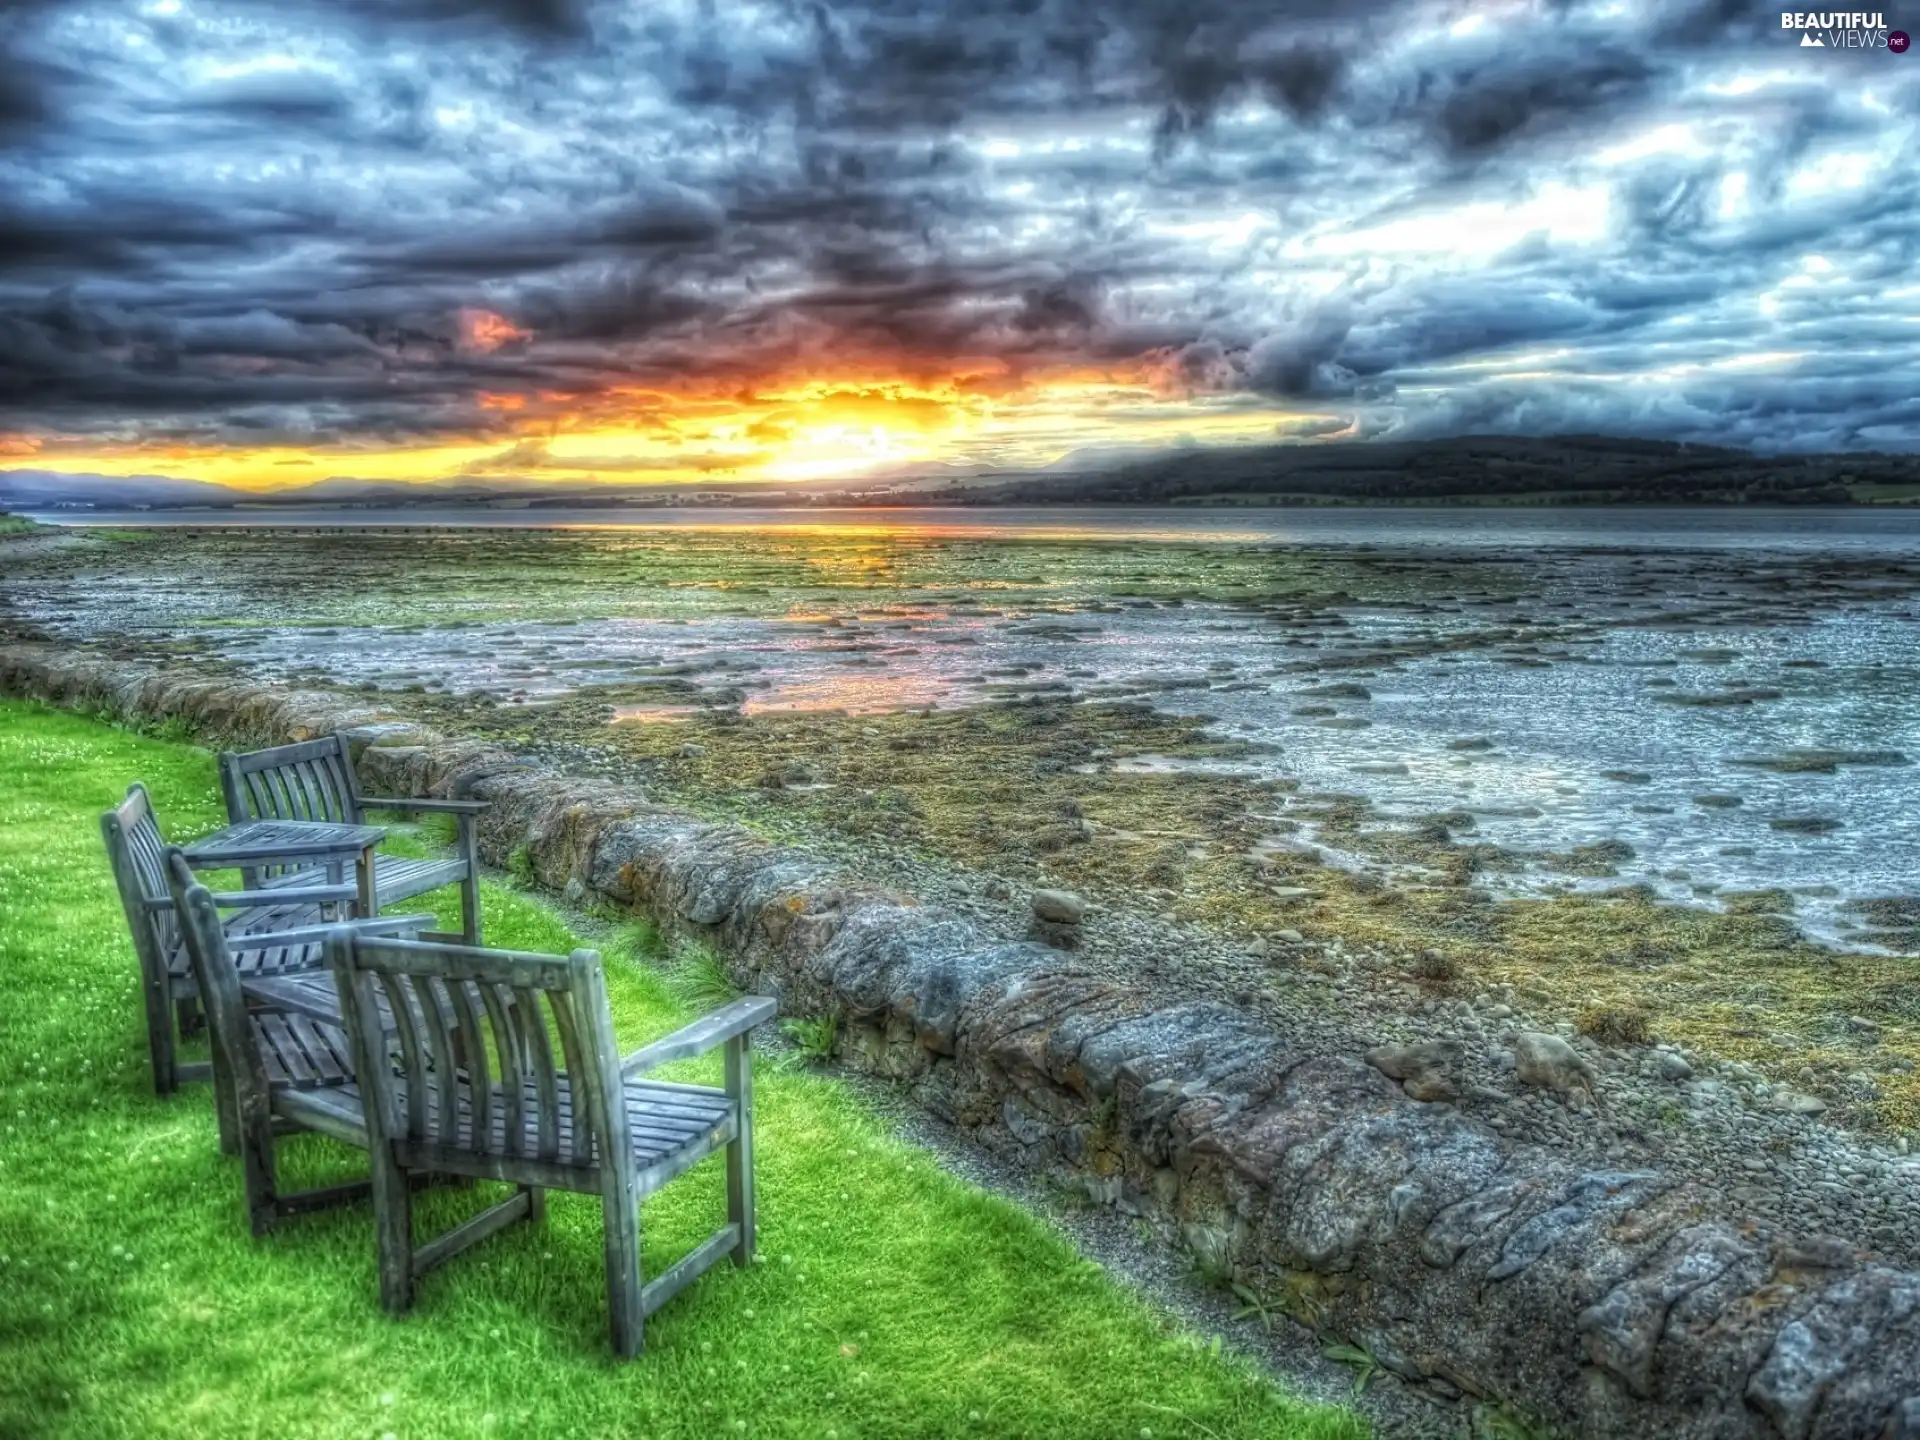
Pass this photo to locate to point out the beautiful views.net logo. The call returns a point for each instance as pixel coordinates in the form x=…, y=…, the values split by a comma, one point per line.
x=1844, y=30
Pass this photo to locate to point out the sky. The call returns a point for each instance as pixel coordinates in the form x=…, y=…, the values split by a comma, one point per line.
x=265, y=243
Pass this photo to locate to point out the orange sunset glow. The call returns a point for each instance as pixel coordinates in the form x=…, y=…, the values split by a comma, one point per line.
x=786, y=431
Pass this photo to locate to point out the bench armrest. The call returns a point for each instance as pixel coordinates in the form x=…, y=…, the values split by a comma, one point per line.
x=425, y=807
x=268, y=899
x=702, y=1035
x=314, y=934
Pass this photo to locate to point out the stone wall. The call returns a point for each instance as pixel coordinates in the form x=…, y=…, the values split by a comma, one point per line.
x=1594, y=1302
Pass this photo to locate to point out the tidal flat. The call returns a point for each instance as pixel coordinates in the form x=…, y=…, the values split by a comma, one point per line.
x=1644, y=776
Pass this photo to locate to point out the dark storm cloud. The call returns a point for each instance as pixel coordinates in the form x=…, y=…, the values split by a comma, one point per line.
x=228, y=218
x=270, y=98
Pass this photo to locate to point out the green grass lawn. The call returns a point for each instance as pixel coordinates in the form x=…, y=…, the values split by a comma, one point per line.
x=892, y=1300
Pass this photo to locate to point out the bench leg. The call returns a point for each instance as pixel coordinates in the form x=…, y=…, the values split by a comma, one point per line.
x=226, y=1107
x=470, y=882
x=393, y=1230
x=160, y=1048
x=626, y=1310
x=255, y=1136
x=739, y=1082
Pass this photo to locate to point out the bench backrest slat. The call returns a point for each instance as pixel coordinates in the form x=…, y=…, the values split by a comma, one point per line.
x=465, y=1016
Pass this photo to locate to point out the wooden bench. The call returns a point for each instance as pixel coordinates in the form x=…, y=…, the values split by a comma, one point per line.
x=136, y=853
x=315, y=780
x=275, y=1071
x=549, y=1103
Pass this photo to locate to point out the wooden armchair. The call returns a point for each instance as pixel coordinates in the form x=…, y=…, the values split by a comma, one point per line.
x=315, y=780
x=590, y=1123
x=275, y=1071
x=136, y=851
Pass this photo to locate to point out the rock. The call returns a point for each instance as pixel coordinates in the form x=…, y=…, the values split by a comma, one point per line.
x=792, y=775
x=1425, y=1070
x=691, y=751
x=1058, y=907
x=1719, y=698
x=1289, y=892
x=1805, y=824
x=1550, y=1063
x=1675, y=1067
x=1289, y=937
x=1819, y=762
x=1794, y=1102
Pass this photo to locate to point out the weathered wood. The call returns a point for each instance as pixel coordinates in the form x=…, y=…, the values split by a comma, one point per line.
x=524, y=1170
x=493, y=1219
x=539, y=1054
x=619, y=1198
x=526, y=970
x=134, y=849
x=259, y=1056
x=676, y=1277
x=315, y=780
x=424, y=807
x=702, y=1035
x=307, y=936
x=469, y=847
x=739, y=1084
x=665, y=1165
x=270, y=901
x=579, y=1125
x=324, y=1197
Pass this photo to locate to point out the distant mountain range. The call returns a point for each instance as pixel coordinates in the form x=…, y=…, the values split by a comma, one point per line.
x=1497, y=469
x=1511, y=469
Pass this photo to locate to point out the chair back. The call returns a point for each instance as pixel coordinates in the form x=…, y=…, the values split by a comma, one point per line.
x=236, y=1061
x=312, y=780
x=506, y=1061
x=137, y=853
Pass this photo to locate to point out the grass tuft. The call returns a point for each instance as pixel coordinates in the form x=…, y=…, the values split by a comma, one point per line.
x=813, y=1038
x=520, y=865
x=696, y=978
x=442, y=831
x=1616, y=1024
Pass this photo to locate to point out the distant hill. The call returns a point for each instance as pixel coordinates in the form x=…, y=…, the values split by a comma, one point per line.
x=1511, y=469
x=1485, y=469
x=48, y=489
